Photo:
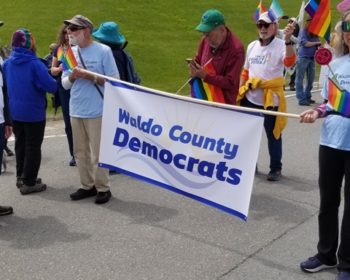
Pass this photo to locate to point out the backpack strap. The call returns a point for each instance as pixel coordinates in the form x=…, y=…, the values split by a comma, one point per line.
x=83, y=63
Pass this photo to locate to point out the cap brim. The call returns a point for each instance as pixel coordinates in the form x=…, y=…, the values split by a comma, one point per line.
x=202, y=27
x=267, y=20
x=72, y=21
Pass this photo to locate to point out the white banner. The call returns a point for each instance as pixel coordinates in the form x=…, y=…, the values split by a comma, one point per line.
x=201, y=151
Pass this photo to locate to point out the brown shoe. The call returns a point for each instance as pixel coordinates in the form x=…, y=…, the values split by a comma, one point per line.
x=274, y=176
x=25, y=189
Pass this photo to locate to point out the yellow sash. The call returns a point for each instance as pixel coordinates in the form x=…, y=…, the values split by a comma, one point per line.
x=270, y=87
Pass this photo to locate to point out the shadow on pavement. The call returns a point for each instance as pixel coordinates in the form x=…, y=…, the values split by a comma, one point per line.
x=40, y=232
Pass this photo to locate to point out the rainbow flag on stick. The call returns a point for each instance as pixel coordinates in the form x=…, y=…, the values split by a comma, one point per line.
x=338, y=98
x=320, y=12
x=259, y=10
x=205, y=91
x=68, y=59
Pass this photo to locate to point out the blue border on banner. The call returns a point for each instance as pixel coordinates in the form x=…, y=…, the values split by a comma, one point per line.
x=173, y=189
x=122, y=85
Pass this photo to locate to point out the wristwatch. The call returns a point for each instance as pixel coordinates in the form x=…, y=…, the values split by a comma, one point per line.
x=288, y=43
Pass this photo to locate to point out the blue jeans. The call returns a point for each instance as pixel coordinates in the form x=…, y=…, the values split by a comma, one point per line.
x=274, y=145
x=304, y=66
x=2, y=142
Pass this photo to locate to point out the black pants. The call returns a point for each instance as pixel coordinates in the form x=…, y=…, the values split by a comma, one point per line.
x=29, y=137
x=334, y=165
x=292, y=78
x=64, y=99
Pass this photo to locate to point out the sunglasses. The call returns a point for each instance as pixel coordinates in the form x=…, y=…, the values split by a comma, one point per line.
x=263, y=24
x=345, y=26
x=74, y=28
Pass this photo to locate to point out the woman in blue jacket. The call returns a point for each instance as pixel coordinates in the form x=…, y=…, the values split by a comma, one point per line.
x=27, y=83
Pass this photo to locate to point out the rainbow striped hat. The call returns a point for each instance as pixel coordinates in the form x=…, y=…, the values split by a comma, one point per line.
x=23, y=38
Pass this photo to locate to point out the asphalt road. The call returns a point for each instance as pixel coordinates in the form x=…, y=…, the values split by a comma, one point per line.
x=146, y=232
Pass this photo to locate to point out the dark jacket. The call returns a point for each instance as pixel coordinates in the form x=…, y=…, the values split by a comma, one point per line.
x=125, y=64
x=27, y=83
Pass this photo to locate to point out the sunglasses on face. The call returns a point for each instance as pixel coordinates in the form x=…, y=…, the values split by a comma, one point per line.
x=345, y=26
x=263, y=24
x=74, y=28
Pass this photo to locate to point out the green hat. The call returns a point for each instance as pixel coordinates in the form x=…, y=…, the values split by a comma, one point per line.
x=210, y=19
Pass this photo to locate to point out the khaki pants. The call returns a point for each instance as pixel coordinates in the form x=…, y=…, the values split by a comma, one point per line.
x=86, y=143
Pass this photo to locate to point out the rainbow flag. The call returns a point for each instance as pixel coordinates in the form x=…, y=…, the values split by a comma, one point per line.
x=338, y=98
x=205, y=91
x=259, y=10
x=320, y=12
x=275, y=11
x=68, y=60
x=60, y=53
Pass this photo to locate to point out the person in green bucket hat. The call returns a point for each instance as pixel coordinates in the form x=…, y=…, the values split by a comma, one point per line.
x=108, y=33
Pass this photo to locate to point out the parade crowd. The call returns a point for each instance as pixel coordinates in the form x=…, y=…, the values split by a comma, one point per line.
x=254, y=78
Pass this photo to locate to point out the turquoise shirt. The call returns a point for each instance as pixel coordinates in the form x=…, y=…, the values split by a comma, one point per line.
x=85, y=100
x=335, y=131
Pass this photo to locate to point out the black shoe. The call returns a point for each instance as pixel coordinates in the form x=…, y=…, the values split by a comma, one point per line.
x=304, y=103
x=72, y=162
x=292, y=88
x=25, y=189
x=274, y=176
x=313, y=264
x=82, y=193
x=311, y=101
x=5, y=210
x=103, y=197
x=19, y=182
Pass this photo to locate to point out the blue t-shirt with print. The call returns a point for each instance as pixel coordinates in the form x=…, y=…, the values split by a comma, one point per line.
x=85, y=100
x=335, y=131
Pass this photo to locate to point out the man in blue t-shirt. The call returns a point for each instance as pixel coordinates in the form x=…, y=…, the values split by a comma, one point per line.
x=306, y=65
x=86, y=105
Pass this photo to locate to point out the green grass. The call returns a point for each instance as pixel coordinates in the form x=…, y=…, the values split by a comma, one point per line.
x=160, y=33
